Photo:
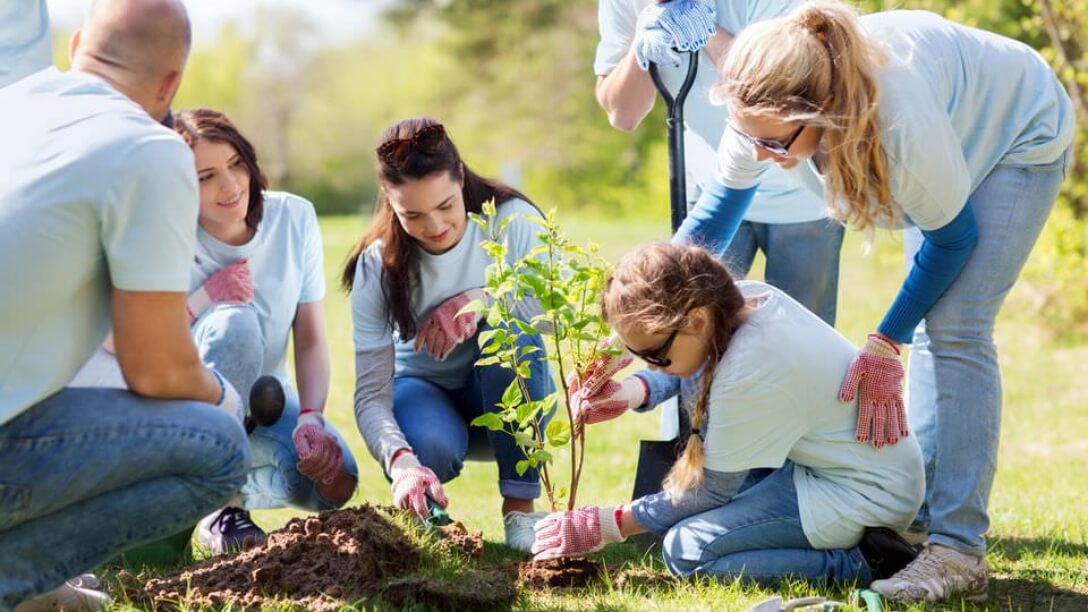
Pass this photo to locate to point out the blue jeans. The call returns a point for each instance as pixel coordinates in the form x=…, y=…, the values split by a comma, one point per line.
x=757, y=536
x=229, y=339
x=435, y=421
x=954, y=383
x=802, y=260
x=88, y=473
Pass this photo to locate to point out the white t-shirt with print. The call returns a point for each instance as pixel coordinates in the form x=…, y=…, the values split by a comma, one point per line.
x=441, y=277
x=94, y=195
x=954, y=103
x=780, y=199
x=775, y=397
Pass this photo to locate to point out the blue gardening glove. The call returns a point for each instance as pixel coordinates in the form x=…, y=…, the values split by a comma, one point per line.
x=690, y=22
x=652, y=43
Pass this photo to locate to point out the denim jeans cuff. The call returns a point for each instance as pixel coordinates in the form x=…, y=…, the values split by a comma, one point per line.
x=519, y=489
x=648, y=522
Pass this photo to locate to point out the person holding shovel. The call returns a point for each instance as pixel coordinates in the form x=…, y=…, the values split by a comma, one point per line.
x=417, y=386
x=259, y=277
x=787, y=222
x=868, y=111
x=771, y=483
x=98, y=207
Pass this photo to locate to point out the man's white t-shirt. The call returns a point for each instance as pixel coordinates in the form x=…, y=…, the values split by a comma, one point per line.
x=775, y=396
x=441, y=277
x=25, y=43
x=94, y=195
x=780, y=199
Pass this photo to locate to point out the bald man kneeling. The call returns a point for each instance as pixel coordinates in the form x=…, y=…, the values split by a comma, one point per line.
x=98, y=209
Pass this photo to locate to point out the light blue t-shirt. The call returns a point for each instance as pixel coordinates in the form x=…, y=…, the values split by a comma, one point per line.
x=775, y=396
x=954, y=103
x=94, y=195
x=441, y=277
x=780, y=198
x=286, y=264
x=25, y=44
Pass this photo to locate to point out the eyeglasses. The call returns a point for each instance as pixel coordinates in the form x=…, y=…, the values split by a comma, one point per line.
x=428, y=141
x=778, y=147
x=657, y=357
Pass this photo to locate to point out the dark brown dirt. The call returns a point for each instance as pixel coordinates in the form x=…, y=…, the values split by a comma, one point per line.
x=455, y=538
x=564, y=572
x=474, y=590
x=316, y=563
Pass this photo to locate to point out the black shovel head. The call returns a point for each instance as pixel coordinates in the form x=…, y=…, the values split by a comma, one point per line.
x=655, y=459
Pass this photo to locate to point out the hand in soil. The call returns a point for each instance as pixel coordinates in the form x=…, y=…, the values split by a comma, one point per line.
x=413, y=483
x=576, y=533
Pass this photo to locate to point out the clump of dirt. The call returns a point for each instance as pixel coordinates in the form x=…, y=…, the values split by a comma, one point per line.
x=456, y=538
x=470, y=591
x=316, y=563
x=565, y=572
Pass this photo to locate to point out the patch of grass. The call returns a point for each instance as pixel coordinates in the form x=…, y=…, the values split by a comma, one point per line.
x=1039, y=533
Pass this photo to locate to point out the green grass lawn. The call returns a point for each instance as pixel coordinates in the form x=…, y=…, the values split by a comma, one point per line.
x=1039, y=533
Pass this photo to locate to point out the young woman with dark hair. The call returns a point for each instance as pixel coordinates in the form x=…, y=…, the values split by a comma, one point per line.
x=417, y=388
x=258, y=278
x=772, y=483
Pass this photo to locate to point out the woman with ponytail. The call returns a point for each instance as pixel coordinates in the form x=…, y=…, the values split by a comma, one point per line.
x=903, y=119
x=771, y=483
x=417, y=387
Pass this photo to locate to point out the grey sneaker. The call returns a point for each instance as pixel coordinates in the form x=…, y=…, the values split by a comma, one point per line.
x=939, y=573
x=77, y=594
x=518, y=527
x=230, y=529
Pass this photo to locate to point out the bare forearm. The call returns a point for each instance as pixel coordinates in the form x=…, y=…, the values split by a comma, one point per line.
x=627, y=94
x=312, y=374
x=718, y=46
x=630, y=526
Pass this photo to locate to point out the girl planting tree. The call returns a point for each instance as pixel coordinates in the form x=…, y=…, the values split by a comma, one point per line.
x=772, y=482
x=410, y=275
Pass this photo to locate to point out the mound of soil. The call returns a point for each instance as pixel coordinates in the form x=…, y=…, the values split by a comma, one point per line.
x=455, y=538
x=565, y=572
x=316, y=563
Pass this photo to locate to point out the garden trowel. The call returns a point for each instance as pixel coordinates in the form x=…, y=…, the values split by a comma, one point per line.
x=656, y=457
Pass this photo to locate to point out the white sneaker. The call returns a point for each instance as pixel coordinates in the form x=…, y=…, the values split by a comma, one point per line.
x=518, y=527
x=73, y=596
x=939, y=573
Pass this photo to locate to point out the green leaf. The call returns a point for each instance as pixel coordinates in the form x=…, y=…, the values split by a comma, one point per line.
x=558, y=432
x=525, y=351
x=489, y=420
x=526, y=328
x=527, y=412
x=475, y=306
x=524, y=439
x=512, y=396
x=486, y=361
x=523, y=370
x=521, y=467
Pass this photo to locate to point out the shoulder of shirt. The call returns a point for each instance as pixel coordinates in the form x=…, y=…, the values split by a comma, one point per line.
x=516, y=206
x=296, y=207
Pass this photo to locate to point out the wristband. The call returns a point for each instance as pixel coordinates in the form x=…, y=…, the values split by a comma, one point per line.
x=619, y=517
x=308, y=411
x=887, y=340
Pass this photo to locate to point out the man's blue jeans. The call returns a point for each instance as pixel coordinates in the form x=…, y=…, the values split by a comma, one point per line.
x=954, y=383
x=435, y=420
x=88, y=473
x=230, y=340
x=802, y=260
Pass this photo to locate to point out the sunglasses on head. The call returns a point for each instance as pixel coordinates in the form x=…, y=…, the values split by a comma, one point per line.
x=428, y=141
x=778, y=147
x=660, y=356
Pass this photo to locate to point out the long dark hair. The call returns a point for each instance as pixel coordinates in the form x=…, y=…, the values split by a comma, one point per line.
x=205, y=124
x=400, y=252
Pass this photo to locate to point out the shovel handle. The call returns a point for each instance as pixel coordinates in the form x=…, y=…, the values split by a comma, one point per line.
x=674, y=121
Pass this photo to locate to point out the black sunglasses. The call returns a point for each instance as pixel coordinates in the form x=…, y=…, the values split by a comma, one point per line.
x=657, y=357
x=778, y=147
x=428, y=141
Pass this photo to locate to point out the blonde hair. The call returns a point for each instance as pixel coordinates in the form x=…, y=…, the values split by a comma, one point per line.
x=654, y=289
x=816, y=67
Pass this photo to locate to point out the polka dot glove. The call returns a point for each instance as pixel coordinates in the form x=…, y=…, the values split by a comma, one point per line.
x=598, y=373
x=878, y=372
x=319, y=454
x=576, y=533
x=412, y=483
x=445, y=330
x=689, y=22
x=610, y=402
x=229, y=285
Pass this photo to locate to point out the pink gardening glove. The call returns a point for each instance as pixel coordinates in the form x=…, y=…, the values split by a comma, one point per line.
x=412, y=483
x=229, y=285
x=877, y=369
x=614, y=399
x=444, y=330
x=319, y=454
x=602, y=369
x=576, y=533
